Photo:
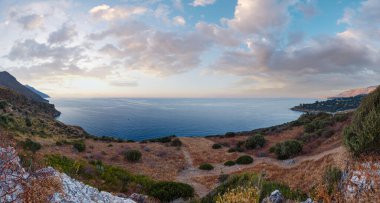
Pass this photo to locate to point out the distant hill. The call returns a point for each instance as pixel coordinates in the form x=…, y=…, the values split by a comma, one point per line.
x=43, y=95
x=340, y=104
x=355, y=92
x=8, y=81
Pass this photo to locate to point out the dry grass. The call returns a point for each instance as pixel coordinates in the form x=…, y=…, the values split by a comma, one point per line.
x=240, y=195
x=41, y=189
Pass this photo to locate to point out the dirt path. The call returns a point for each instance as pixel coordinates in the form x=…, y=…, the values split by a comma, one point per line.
x=187, y=175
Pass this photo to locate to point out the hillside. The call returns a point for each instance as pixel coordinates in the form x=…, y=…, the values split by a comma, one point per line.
x=294, y=161
x=340, y=104
x=354, y=92
x=41, y=94
x=8, y=81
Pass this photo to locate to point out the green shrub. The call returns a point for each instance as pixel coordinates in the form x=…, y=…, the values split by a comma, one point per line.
x=80, y=146
x=255, y=141
x=230, y=150
x=31, y=145
x=230, y=134
x=216, y=146
x=165, y=139
x=176, y=143
x=169, y=191
x=331, y=178
x=58, y=143
x=206, y=167
x=287, y=149
x=28, y=122
x=132, y=155
x=3, y=104
x=362, y=135
x=243, y=160
x=229, y=163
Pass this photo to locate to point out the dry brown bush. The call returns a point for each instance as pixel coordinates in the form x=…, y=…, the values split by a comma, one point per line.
x=42, y=189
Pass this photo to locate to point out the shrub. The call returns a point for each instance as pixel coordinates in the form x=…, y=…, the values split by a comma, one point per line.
x=287, y=149
x=216, y=146
x=240, y=194
x=255, y=141
x=223, y=177
x=362, y=135
x=165, y=139
x=169, y=191
x=176, y=143
x=230, y=134
x=230, y=150
x=206, y=167
x=80, y=146
x=28, y=122
x=249, y=180
x=229, y=163
x=31, y=145
x=58, y=143
x=331, y=178
x=3, y=104
x=132, y=155
x=244, y=160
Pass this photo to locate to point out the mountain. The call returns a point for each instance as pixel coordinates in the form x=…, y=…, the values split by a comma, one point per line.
x=10, y=82
x=43, y=95
x=355, y=92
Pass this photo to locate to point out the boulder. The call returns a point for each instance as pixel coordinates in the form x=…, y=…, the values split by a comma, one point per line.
x=275, y=197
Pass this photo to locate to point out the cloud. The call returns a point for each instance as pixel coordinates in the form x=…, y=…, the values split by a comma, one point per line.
x=253, y=16
x=31, y=22
x=217, y=34
x=178, y=5
x=105, y=12
x=179, y=20
x=64, y=34
x=202, y=2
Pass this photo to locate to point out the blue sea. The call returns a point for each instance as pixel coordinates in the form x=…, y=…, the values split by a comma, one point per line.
x=139, y=119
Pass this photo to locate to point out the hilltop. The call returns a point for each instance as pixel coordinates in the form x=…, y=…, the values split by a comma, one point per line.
x=8, y=81
x=354, y=92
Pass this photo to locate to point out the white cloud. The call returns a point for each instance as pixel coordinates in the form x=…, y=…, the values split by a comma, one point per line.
x=257, y=16
x=202, y=2
x=105, y=12
x=179, y=20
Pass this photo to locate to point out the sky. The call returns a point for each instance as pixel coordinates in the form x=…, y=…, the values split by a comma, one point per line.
x=191, y=48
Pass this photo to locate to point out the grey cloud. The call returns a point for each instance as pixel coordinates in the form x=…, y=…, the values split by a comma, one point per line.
x=65, y=33
x=31, y=22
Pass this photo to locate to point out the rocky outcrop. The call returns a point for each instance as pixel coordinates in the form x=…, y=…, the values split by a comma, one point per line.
x=14, y=182
x=275, y=197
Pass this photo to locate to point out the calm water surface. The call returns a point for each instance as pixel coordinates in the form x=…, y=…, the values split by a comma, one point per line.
x=140, y=119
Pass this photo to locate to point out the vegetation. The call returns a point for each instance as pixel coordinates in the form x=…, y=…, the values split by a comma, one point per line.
x=176, y=143
x=216, y=146
x=132, y=155
x=169, y=191
x=206, y=167
x=229, y=163
x=287, y=149
x=165, y=139
x=230, y=134
x=331, y=105
x=230, y=150
x=80, y=146
x=116, y=179
x=30, y=145
x=331, y=178
x=257, y=140
x=362, y=135
x=3, y=104
x=251, y=180
x=243, y=160
x=240, y=194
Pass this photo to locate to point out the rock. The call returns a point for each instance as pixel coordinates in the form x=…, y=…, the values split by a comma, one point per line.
x=289, y=162
x=13, y=178
x=138, y=198
x=275, y=197
x=309, y=200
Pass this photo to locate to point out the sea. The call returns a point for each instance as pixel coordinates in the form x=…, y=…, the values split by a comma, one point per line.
x=140, y=119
